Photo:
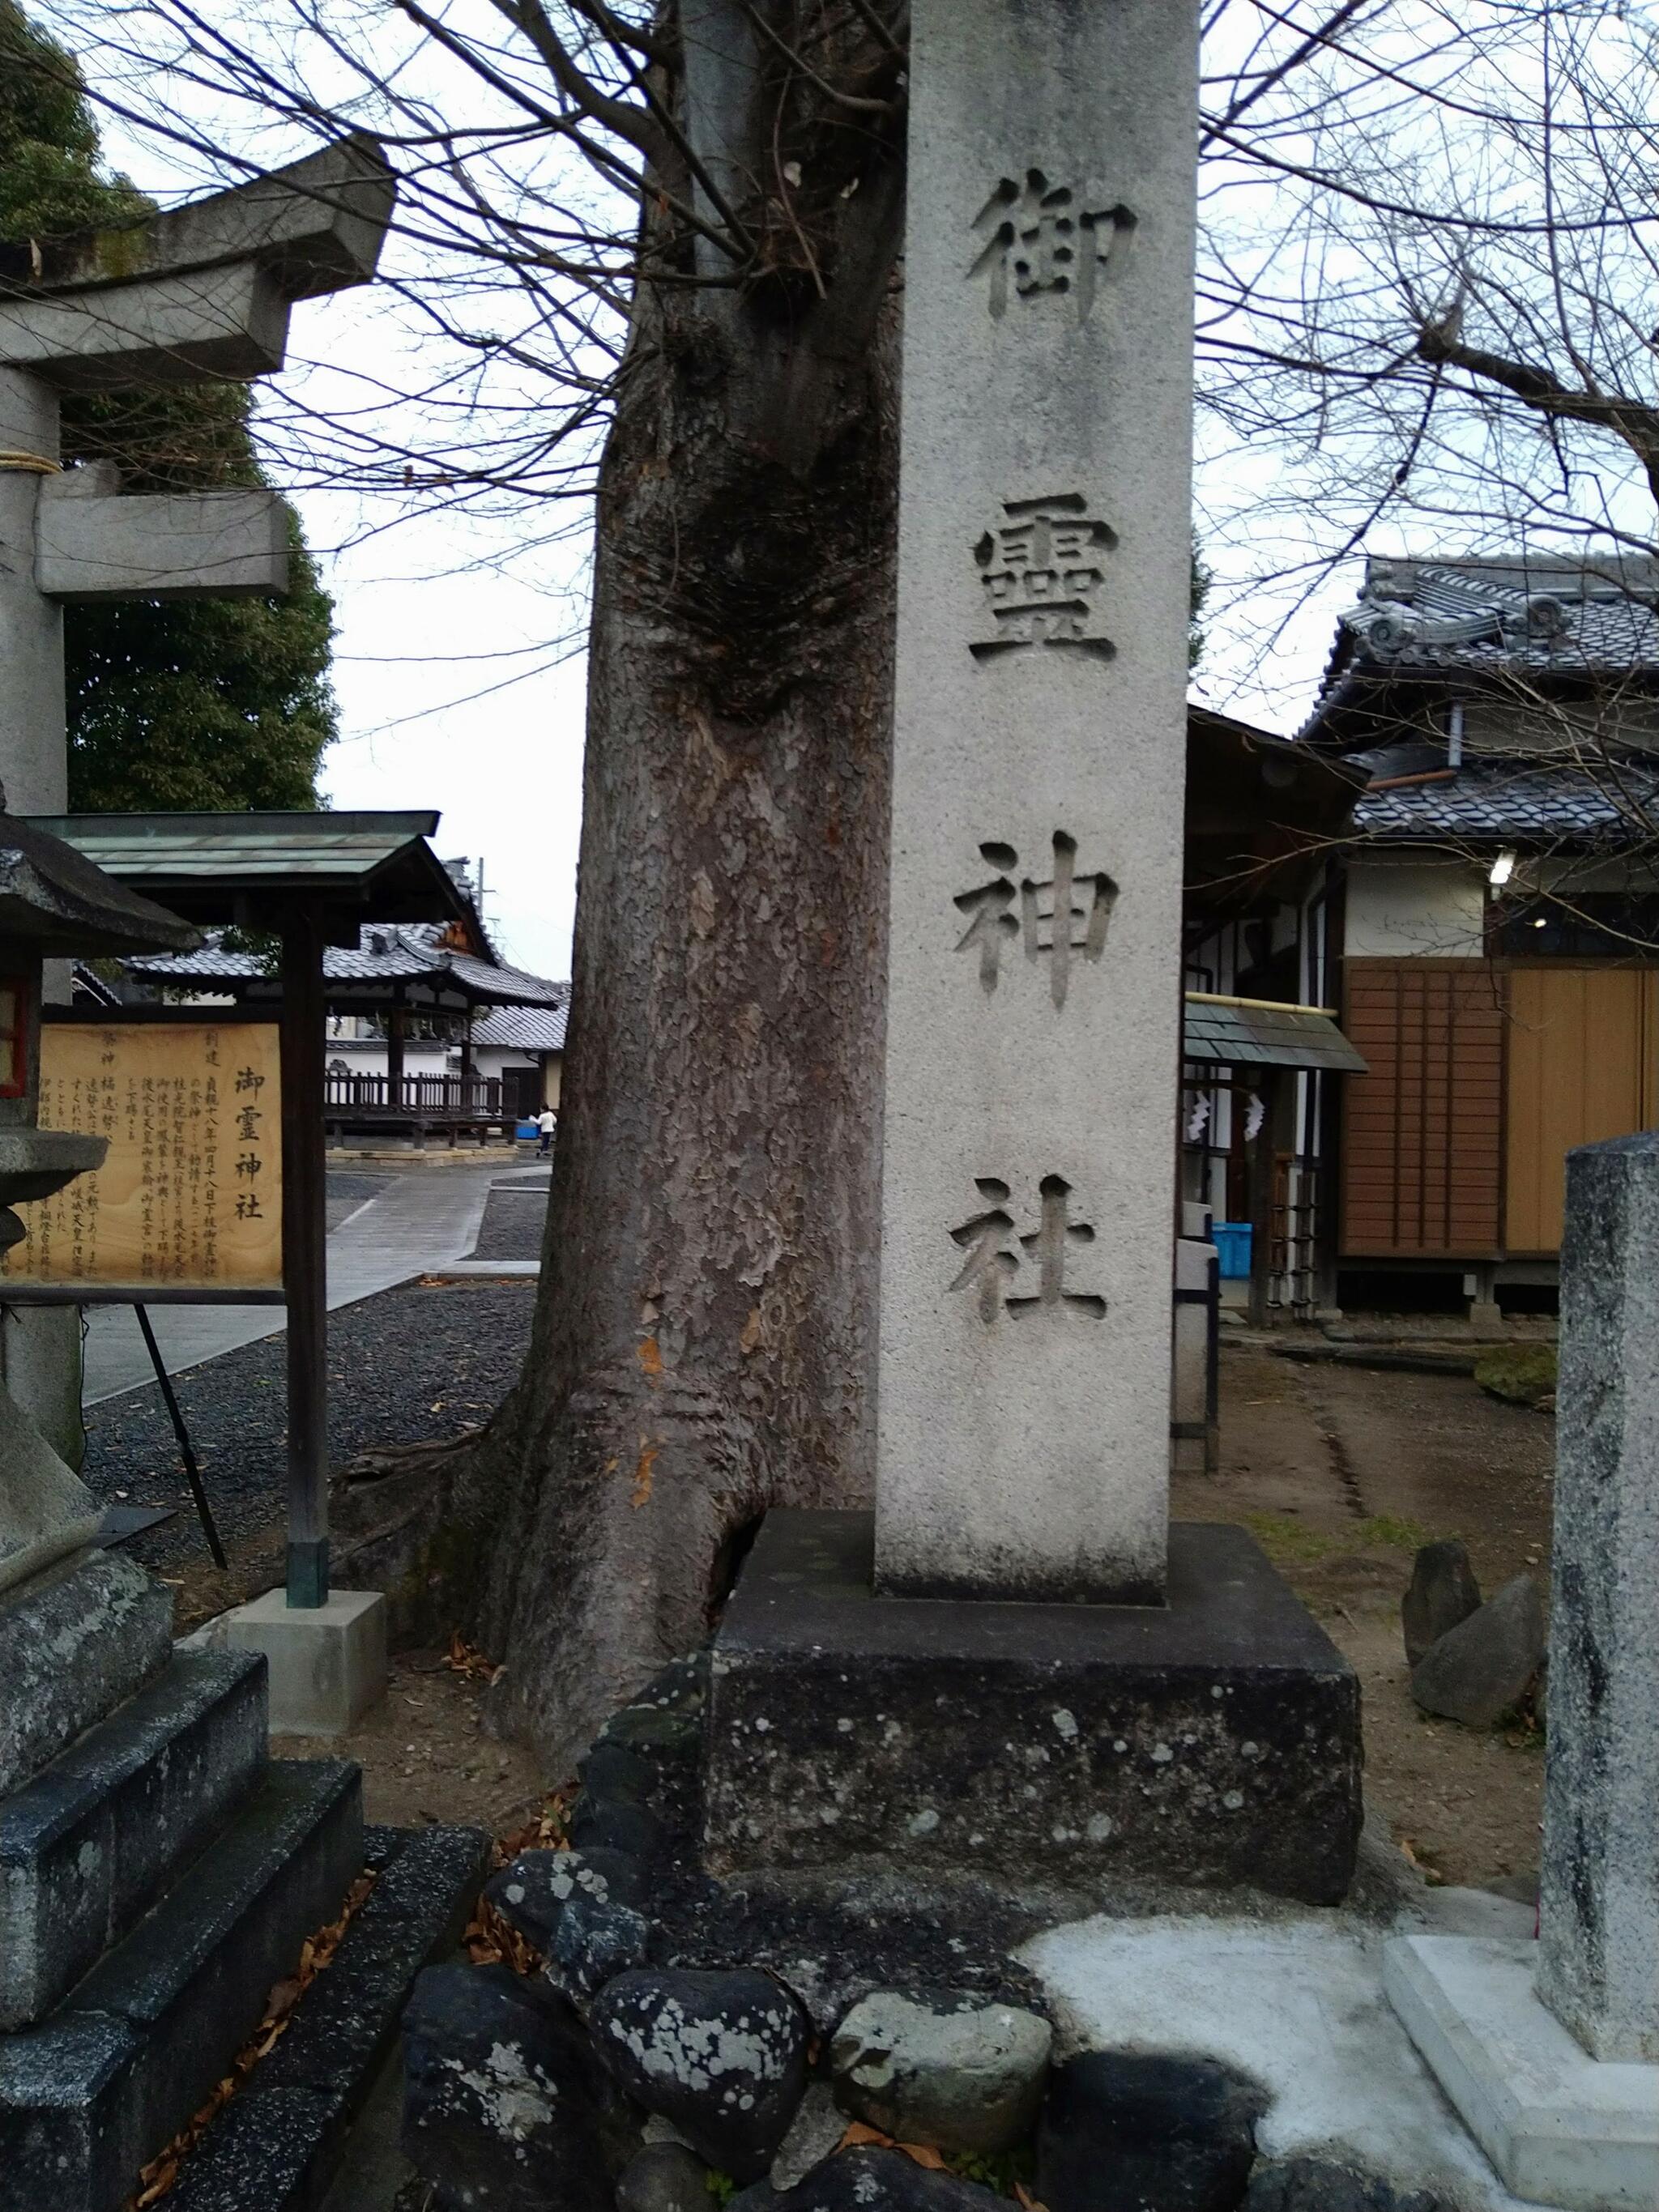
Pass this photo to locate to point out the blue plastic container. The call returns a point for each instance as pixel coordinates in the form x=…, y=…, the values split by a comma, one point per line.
x=1231, y=1239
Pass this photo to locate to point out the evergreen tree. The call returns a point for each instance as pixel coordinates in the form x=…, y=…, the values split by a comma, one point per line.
x=204, y=703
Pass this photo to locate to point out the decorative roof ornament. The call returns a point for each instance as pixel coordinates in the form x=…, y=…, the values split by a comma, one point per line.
x=1389, y=628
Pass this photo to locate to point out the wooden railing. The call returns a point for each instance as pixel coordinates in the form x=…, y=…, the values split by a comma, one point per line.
x=478, y=1095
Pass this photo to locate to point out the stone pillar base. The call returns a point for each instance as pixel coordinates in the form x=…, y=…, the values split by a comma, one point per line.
x=1561, y=2127
x=327, y=1662
x=1212, y=1742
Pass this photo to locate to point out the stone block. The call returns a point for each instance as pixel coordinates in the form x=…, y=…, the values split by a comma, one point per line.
x=280, y=2141
x=230, y=322
x=425, y=1875
x=74, y=1644
x=328, y=1664
x=91, y=2094
x=270, y=2150
x=1599, y=1949
x=217, y=544
x=1213, y=1742
x=88, y=1844
x=1561, y=2127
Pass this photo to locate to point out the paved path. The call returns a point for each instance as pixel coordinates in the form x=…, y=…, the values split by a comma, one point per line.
x=424, y=1219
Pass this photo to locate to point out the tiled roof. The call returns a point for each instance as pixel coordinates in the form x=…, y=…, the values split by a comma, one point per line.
x=1535, y=618
x=1551, y=619
x=407, y=952
x=1247, y=1032
x=523, y=1029
x=1506, y=802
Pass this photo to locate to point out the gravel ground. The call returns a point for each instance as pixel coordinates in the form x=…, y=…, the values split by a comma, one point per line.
x=346, y=1193
x=514, y=1215
x=410, y=1364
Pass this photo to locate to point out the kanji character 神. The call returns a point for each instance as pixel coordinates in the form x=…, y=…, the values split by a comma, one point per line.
x=1064, y=915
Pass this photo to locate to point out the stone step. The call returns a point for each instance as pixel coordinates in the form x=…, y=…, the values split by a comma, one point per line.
x=282, y=2139
x=88, y=1846
x=74, y=1643
x=90, y=2095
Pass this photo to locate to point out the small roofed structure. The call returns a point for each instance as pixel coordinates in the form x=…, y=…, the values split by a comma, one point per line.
x=59, y=902
x=397, y=974
x=248, y=869
x=312, y=880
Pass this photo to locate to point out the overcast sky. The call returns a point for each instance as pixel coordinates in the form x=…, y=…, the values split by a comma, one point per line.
x=459, y=673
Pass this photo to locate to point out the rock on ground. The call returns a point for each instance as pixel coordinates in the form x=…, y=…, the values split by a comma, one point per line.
x=532, y=1892
x=722, y=2055
x=965, y=2076
x=1122, y=2131
x=873, y=2180
x=664, y=2177
x=1478, y=1671
x=1442, y=1591
x=592, y=1944
x=1326, y=2184
x=498, y=2109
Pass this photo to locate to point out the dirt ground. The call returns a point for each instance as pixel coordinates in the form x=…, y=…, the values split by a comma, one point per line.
x=426, y=1756
x=1340, y=1472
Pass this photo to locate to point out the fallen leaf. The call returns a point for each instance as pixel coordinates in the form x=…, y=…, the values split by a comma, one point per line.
x=857, y=2133
x=924, y=2154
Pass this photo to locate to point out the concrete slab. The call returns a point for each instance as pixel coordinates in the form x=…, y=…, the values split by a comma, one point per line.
x=419, y=1225
x=1561, y=2127
x=1298, y=2004
x=327, y=1662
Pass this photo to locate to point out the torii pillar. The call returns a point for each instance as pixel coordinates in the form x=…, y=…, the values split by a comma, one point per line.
x=198, y=295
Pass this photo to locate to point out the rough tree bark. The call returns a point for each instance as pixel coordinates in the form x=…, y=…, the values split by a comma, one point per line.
x=703, y=1334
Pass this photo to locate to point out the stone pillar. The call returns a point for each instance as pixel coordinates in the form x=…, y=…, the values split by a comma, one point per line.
x=33, y=758
x=1033, y=986
x=1598, y=1956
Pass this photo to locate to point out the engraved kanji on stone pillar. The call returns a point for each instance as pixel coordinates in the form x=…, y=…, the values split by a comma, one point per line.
x=1033, y=981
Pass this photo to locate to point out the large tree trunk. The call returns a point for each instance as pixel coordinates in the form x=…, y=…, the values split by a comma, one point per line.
x=703, y=1338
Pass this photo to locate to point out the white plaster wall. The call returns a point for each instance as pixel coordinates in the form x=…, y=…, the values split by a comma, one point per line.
x=1414, y=910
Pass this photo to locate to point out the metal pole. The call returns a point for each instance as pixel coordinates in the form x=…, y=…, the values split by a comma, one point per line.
x=193, y=1472
x=304, y=1259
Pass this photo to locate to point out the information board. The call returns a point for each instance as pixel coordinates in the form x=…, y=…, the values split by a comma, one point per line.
x=189, y=1200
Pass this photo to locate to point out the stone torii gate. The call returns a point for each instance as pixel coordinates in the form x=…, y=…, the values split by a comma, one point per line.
x=199, y=294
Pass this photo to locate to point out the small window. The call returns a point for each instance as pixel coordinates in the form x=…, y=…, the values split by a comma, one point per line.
x=14, y=1037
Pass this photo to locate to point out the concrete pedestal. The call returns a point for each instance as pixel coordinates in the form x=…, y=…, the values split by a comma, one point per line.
x=1561, y=2127
x=1212, y=1742
x=327, y=1662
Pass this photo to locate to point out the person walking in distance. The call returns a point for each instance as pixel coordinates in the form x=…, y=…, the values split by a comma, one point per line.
x=546, y=1122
